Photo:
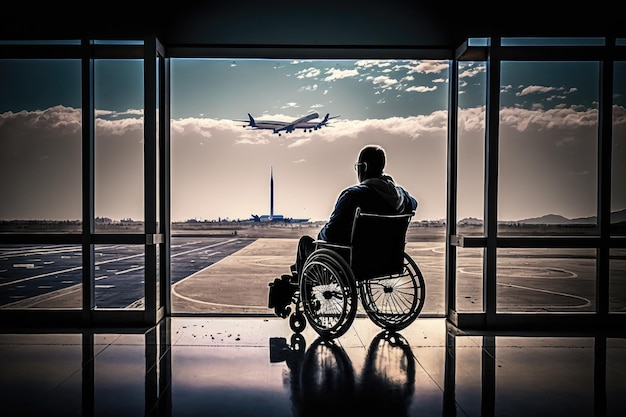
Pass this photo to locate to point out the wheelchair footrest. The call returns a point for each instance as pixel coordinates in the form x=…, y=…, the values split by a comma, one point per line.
x=280, y=295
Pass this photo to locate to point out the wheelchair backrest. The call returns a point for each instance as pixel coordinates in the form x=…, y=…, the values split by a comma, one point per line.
x=378, y=242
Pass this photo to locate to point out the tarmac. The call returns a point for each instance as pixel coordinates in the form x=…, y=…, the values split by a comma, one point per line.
x=239, y=283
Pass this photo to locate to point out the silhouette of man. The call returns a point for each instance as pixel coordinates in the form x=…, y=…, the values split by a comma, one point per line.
x=376, y=192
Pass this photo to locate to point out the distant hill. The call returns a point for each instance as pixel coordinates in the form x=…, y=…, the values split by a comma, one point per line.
x=616, y=218
x=547, y=219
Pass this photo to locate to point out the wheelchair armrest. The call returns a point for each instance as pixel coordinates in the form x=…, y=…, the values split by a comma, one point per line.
x=328, y=245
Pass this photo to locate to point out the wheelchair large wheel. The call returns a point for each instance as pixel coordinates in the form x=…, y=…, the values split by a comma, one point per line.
x=328, y=293
x=394, y=301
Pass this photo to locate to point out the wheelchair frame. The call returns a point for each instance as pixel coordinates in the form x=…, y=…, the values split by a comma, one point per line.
x=374, y=268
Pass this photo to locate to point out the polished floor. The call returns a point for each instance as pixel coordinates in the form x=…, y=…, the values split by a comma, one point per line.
x=256, y=366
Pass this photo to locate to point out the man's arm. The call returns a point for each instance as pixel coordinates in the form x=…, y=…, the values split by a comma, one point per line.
x=410, y=202
x=339, y=225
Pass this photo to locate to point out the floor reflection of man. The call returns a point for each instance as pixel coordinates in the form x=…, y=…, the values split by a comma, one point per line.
x=322, y=379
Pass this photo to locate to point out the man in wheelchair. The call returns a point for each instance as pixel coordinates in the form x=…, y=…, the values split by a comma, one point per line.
x=376, y=192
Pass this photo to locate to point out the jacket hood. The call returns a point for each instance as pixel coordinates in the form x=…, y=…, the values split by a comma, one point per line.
x=386, y=187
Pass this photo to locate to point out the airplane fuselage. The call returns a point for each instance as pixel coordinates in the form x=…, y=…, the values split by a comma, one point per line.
x=278, y=127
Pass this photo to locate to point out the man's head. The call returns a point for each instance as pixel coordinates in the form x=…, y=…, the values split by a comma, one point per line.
x=371, y=162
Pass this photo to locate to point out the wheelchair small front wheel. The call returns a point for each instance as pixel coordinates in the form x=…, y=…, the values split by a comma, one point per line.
x=297, y=322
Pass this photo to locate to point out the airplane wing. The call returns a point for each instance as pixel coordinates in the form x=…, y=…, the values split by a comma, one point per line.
x=290, y=127
x=315, y=125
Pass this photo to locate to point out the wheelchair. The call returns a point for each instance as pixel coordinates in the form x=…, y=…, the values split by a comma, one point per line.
x=373, y=267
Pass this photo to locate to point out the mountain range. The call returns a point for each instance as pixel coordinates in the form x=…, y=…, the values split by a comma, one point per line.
x=616, y=217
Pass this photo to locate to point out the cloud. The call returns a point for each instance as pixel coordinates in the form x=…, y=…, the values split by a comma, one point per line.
x=64, y=118
x=383, y=81
x=311, y=87
x=338, y=74
x=421, y=89
x=557, y=118
x=533, y=89
x=308, y=73
x=118, y=127
x=373, y=63
x=472, y=71
x=428, y=67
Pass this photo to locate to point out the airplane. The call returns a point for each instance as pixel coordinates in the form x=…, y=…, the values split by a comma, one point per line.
x=277, y=127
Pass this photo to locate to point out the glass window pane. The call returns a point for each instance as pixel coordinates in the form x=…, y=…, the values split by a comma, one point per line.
x=534, y=41
x=469, y=280
x=120, y=275
x=426, y=245
x=471, y=148
x=40, y=145
x=221, y=165
x=41, y=276
x=548, y=148
x=618, y=153
x=119, y=141
x=546, y=280
x=617, y=280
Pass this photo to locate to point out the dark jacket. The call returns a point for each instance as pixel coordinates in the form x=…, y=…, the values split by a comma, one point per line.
x=375, y=195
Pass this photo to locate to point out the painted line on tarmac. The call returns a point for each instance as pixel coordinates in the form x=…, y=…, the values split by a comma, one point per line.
x=192, y=300
x=587, y=303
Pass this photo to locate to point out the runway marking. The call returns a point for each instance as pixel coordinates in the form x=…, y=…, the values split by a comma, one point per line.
x=206, y=247
x=78, y=268
x=569, y=274
x=40, y=250
x=210, y=303
x=47, y=296
x=587, y=302
x=63, y=271
x=137, y=268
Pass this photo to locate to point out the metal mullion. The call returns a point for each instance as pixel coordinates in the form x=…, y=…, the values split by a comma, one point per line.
x=150, y=178
x=452, y=188
x=88, y=182
x=165, y=182
x=491, y=180
x=308, y=52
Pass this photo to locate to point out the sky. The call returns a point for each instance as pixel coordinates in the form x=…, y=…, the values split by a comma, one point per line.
x=221, y=168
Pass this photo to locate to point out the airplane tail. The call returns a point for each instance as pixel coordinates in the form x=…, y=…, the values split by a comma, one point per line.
x=323, y=122
x=252, y=122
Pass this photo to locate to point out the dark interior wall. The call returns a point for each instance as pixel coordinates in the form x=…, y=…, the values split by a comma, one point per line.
x=399, y=23
x=403, y=23
x=242, y=22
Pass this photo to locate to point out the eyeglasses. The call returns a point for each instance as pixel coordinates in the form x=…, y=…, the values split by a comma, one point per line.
x=358, y=164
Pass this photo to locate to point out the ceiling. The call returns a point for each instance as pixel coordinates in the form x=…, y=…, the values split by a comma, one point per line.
x=390, y=23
